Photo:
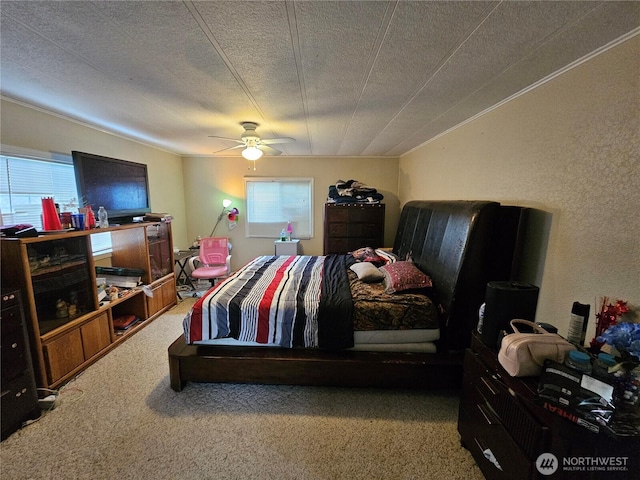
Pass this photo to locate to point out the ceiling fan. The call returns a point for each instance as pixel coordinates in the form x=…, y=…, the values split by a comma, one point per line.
x=253, y=145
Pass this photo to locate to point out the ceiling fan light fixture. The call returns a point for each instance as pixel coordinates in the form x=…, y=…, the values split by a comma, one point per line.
x=252, y=153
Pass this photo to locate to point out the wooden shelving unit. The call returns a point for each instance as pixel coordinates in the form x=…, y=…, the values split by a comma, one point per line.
x=50, y=268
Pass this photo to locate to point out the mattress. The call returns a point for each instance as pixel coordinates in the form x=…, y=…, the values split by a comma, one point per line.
x=396, y=336
x=361, y=338
x=406, y=321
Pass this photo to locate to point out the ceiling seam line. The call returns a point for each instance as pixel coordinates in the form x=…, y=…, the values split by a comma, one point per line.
x=385, y=25
x=533, y=86
x=218, y=48
x=507, y=68
x=435, y=73
x=297, y=55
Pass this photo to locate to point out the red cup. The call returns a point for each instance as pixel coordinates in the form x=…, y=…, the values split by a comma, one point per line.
x=65, y=220
x=50, y=219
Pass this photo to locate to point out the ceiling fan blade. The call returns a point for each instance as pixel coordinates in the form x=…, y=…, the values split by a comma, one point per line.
x=228, y=139
x=269, y=150
x=272, y=141
x=230, y=148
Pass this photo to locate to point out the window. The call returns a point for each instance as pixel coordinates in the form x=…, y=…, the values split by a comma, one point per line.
x=272, y=202
x=25, y=181
x=28, y=176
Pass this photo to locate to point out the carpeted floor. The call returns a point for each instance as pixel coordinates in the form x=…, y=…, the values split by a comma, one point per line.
x=121, y=420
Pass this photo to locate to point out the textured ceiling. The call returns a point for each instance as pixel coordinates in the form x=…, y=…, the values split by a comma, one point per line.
x=344, y=78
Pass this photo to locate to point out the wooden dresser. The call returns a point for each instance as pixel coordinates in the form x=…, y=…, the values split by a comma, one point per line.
x=349, y=226
x=512, y=437
x=19, y=395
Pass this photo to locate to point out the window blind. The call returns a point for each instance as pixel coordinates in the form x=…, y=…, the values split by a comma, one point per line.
x=273, y=202
x=25, y=181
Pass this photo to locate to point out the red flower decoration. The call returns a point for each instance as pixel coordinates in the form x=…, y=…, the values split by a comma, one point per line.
x=607, y=317
x=233, y=214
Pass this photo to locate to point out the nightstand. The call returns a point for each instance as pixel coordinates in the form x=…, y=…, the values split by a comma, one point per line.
x=286, y=247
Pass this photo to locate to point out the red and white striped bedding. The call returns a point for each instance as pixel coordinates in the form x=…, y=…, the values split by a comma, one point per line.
x=290, y=301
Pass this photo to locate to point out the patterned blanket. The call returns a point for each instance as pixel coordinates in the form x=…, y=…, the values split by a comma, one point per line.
x=290, y=301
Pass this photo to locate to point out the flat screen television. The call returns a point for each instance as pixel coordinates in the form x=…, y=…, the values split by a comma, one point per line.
x=120, y=186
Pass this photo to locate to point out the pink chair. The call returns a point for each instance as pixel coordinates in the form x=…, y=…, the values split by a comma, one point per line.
x=214, y=260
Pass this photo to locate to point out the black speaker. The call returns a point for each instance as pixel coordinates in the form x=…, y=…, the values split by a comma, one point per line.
x=505, y=301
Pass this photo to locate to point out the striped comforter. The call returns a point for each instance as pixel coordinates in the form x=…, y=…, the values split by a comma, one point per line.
x=290, y=301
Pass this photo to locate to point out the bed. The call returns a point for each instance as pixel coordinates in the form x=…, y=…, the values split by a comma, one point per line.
x=326, y=330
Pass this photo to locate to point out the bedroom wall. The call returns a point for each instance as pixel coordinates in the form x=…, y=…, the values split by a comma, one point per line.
x=192, y=188
x=570, y=149
x=209, y=180
x=29, y=128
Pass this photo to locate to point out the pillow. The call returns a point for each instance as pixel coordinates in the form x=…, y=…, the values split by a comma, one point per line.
x=367, y=272
x=387, y=255
x=368, y=254
x=400, y=276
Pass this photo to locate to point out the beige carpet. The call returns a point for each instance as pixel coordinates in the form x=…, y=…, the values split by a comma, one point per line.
x=120, y=420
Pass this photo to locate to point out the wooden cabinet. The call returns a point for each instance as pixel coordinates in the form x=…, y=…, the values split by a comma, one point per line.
x=160, y=250
x=348, y=227
x=95, y=335
x=507, y=432
x=164, y=296
x=69, y=327
x=65, y=353
x=19, y=396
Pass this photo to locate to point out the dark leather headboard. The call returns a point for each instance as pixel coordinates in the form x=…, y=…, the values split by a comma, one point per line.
x=461, y=245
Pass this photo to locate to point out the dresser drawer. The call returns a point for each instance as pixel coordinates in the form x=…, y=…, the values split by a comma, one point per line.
x=487, y=439
x=14, y=352
x=354, y=230
x=11, y=321
x=528, y=433
x=19, y=403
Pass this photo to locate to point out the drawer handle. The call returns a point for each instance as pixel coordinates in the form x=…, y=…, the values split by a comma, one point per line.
x=489, y=386
x=14, y=345
x=488, y=416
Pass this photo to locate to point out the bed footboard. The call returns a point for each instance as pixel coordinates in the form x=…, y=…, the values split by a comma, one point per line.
x=264, y=365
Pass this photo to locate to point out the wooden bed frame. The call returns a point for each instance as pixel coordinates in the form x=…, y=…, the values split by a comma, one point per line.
x=462, y=245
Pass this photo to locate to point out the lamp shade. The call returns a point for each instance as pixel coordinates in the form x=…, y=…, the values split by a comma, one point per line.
x=252, y=153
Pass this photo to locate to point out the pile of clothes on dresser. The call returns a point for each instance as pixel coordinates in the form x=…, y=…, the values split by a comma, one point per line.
x=353, y=191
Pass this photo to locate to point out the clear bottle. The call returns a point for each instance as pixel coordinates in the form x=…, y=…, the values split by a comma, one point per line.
x=601, y=366
x=103, y=218
x=283, y=235
x=579, y=361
